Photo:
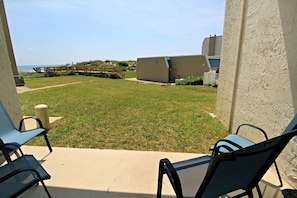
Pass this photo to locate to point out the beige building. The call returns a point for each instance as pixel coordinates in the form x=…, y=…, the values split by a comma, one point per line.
x=258, y=71
x=167, y=69
x=212, y=45
x=8, y=95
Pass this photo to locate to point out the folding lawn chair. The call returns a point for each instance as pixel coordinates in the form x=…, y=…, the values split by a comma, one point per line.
x=19, y=175
x=222, y=173
x=9, y=133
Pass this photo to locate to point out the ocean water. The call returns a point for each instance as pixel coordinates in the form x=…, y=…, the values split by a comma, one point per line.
x=29, y=68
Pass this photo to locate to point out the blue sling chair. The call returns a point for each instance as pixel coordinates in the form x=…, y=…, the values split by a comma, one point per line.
x=236, y=141
x=221, y=173
x=19, y=175
x=9, y=134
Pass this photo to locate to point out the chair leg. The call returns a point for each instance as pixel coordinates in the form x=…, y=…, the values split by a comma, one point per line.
x=45, y=188
x=259, y=191
x=160, y=180
x=250, y=194
x=47, y=142
x=278, y=174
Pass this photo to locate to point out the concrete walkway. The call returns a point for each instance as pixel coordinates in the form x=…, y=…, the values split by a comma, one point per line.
x=100, y=173
x=111, y=173
x=23, y=89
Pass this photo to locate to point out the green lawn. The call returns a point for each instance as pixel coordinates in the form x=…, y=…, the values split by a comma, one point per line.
x=120, y=114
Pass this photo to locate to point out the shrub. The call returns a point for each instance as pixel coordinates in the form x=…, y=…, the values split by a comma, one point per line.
x=123, y=69
x=123, y=64
x=68, y=73
x=215, y=84
x=50, y=74
x=191, y=80
x=114, y=75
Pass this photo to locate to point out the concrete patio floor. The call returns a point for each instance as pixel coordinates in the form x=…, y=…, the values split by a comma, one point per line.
x=112, y=173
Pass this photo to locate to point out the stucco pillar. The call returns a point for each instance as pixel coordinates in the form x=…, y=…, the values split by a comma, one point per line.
x=257, y=82
x=8, y=39
x=8, y=95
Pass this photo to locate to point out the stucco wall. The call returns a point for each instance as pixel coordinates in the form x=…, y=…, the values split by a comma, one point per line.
x=229, y=59
x=184, y=66
x=258, y=78
x=8, y=39
x=8, y=92
x=153, y=69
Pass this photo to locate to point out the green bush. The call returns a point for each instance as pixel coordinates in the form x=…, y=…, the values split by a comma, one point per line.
x=123, y=69
x=50, y=74
x=68, y=73
x=215, y=84
x=114, y=75
x=191, y=80
x=123, y=64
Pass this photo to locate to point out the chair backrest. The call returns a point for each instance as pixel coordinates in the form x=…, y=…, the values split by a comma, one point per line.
x=242, y=169
x=292, y=125
x=6, y=123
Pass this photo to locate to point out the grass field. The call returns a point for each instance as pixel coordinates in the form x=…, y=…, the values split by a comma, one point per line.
x=121, y=114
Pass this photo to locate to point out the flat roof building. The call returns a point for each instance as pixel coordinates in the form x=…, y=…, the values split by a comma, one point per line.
x=168, y=69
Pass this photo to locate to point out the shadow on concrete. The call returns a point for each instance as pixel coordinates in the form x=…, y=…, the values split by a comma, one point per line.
x=37, y=192
x=268, y=190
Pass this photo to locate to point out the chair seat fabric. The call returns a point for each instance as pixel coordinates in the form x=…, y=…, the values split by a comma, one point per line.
x=191, y=173
x=20, y=137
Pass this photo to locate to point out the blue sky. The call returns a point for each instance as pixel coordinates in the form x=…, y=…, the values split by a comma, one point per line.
x=65, y=31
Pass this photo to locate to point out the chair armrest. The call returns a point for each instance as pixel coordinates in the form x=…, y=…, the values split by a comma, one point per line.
x=229, y=142
x=14, y=147
x=4, y=151
x=253, y=126
x=4, y=147
x=30, y=117
x=17, y=171
x=166, y=166
x=216, y=150
x=223, y=143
